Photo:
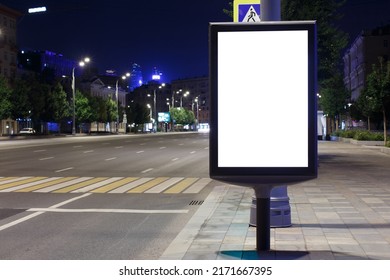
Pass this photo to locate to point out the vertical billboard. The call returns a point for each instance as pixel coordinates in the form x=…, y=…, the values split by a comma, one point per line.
x=263, y=102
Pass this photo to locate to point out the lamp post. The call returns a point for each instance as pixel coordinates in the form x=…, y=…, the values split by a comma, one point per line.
x=197, y=112
x=181, y=98
x=117, y=100
x=81, y=64
x=154, y=107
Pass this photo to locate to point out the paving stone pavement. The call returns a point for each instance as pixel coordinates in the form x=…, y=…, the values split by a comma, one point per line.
x=344, y=214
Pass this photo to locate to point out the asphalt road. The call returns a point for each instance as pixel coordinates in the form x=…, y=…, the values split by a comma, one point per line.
x=101, y=197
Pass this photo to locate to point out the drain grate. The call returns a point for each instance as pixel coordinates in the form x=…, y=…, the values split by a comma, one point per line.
x=196, y=202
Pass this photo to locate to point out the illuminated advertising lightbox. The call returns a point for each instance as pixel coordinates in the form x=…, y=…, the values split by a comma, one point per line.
x=263, y=105
x=164, y=117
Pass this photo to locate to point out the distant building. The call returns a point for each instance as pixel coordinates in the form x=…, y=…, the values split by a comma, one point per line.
x=105, y=87
x=136, y=79
x=363, y=53
x=145, y=95
x=40, y=61
x=8, y=45
x=198, y=88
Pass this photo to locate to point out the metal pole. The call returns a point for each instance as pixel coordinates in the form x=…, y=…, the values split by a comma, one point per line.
x=74, y=103
x=270, y=10
x=117, y=106
x=155, y=112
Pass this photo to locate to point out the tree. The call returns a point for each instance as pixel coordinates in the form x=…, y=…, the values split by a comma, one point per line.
x=333, y=99
x=378, y=90
x=84, y=112
x=20, y=100
x=182, y=116
x=5, y=99
x=331, y=40
x=140, y=115
x=366, y=106
x=58, y=105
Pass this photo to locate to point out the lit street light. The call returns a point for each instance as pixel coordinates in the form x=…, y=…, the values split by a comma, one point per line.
x=117, y=100
x=81, y=64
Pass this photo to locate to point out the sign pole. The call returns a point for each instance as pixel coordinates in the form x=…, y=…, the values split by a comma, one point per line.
x=270, y=11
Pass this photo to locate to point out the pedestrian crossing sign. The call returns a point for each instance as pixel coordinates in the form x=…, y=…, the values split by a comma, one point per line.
x=246, y=11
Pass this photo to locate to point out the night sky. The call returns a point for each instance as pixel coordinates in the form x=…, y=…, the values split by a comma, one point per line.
x=171, y=35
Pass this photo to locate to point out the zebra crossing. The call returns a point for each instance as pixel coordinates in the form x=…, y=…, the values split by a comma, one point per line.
x=114, y=185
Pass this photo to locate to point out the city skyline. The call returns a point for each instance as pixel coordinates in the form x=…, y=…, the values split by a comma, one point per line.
x=169, y=36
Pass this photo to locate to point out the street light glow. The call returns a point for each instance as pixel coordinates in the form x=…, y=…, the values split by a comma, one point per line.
x=37, y=10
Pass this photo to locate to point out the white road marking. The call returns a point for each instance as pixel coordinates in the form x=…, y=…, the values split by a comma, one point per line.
x=198, y=186
x=89, y=151
x=79, y=146
x=125, y=211
x=164, y=185
x=33, y=215
x=175, y=159
x=108, y=159
x=97, y=185
x=65, y=169
x=30, y=184
x=13, y=180
x=39, y=151
x=139, y=152
x=147, y=170
x=130, y=185
x=63, y=185
x=119, y=147
x=162, y=148
x=192, y=152
x=46, y=158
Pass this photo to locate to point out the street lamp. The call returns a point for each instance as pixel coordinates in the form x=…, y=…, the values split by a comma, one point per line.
x=117, y=100
x=154, y=106
x=181, y=98
x=81, y=64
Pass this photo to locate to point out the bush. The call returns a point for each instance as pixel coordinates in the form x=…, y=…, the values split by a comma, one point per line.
x=362, y=135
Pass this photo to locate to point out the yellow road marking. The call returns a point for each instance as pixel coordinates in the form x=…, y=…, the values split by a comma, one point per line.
x=181, y=186
x=114, y=185
x=47, y=184
x=21, y=182
x=148, y=185
x=80, y=185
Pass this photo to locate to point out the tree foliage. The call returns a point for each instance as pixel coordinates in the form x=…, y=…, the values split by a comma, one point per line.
x=5, y=99
x=182, y=116
x=377, y=90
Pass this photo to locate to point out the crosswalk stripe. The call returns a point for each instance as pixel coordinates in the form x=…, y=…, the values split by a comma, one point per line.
x=63, y=185
x=97, y=185
x=40, y=186
x=148, y=185
x=130, y=185
x=118, y=185
x=182, y=185
x=164, y=185
x=18, y=182
x=34, y=183
x=198, y=186
x=80, y=185
x=114, y=185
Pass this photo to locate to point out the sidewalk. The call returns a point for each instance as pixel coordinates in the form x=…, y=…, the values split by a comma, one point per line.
x=342, y=215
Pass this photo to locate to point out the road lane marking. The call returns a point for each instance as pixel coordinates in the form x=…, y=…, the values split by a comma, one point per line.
x=33, y=215
x=80, y=185
x=164, y=185
x=130, y=185
x=97, y=185
x=65, y=169
x=114, y=185
x=89, y=151
x=147, y=170
x=161, y=148
x=198, y=186
x=182, y=185
x=109, y=159
x=139, y=152
x=39, y=151
x=8, y=178
x=119, y=147
x=119, y=211
x=63, y=185
x=18, y=182
x=47, y=184
x=192, y=152
x=148, y=185
x=43, y=180
x=46, y=158
x=175, y=159
x=78, y=146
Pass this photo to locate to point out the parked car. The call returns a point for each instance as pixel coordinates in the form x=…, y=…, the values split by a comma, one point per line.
x=27, y=130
